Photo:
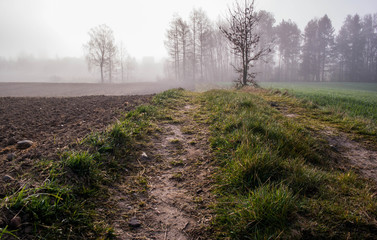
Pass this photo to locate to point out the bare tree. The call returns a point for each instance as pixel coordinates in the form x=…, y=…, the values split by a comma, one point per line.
x=172, y=45
x=177, y=42
x=201, y=28
x=184, y=35
x=122, y=55
x=241, y=31
x=100, y=49
x=194, y=18
x=111, y=60
x=131, y=65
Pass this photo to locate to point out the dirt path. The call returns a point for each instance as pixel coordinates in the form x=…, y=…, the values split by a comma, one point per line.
x=176, y=166
x=359, y=157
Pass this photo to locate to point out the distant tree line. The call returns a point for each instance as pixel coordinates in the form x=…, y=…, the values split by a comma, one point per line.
x=318, y=54
x=199, y=52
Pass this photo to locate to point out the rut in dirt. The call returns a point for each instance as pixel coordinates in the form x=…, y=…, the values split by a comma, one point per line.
x=356, y=156
x=177, y=164
x=360, y=158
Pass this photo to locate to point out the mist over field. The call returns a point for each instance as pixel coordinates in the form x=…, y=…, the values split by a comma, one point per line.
x=27, y=68
x=189, y=119
x=46, y=41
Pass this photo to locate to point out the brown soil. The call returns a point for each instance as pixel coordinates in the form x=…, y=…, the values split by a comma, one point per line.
x=18, y=89
x=167, y=192
x=358, y=157
x=174, y=204
x=52, y=124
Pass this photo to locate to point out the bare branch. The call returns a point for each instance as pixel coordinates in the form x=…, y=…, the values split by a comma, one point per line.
x=241, y=31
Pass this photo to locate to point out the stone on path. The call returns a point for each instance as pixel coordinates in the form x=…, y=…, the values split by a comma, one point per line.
x=134, y=222
x=144, y=156
x=8, y=178
x=24, y=144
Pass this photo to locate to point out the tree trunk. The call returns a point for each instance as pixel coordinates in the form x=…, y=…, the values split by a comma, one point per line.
x=194, y=54
x=101, y=73
x=110, y=70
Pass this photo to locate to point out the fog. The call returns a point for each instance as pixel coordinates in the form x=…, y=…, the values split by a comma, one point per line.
x=27, y=68
x=42, y=40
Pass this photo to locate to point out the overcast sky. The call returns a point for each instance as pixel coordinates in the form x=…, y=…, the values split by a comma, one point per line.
x=58, y=28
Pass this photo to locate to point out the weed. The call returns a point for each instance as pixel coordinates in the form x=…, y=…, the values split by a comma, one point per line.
x=4, y=232
x=262, y=214
x=175, y=141
x=198, y=200
x=52, y=208
x=81, y=163
x=177, y=163
x=188, y=130
x=168, y=98
x=142, y=183
x=177, y=177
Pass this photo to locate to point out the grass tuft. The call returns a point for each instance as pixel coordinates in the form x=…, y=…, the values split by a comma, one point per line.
x=263, y=213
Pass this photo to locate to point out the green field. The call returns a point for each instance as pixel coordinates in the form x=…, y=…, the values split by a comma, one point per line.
x=354, y=99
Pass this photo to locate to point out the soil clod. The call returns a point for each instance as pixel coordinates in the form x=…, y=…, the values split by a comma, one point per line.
x=134, y=223
x=15, y=222
x=11, y=141
x=11, y=156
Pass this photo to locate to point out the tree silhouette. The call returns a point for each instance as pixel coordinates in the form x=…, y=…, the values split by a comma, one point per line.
x=240, y=30
x=100, y=50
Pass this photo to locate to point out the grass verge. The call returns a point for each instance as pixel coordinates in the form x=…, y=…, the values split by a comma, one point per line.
x=276, y=180
x=349, y=106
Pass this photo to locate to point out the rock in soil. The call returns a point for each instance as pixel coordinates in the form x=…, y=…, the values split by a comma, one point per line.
x=11, y=156
x=24, y=144
x=134, y=223
x=15, y=222
x=8, y=178
x=144, y=156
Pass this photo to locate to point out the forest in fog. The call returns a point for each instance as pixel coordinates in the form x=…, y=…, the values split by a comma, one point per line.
x=198, y=52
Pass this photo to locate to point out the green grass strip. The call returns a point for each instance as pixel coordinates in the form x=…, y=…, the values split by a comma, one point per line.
x=275, y=179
